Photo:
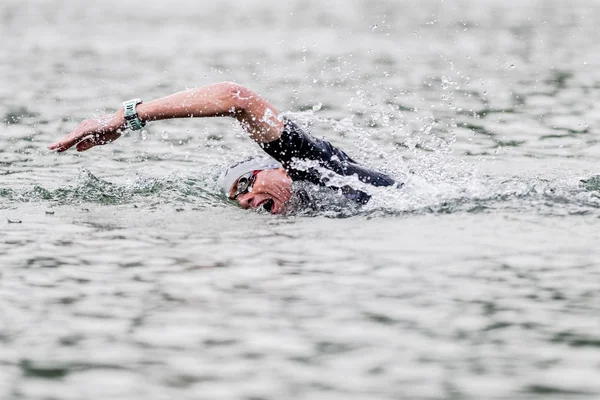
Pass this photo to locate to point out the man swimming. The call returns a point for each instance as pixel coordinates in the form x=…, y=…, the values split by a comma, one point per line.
x=292, y=154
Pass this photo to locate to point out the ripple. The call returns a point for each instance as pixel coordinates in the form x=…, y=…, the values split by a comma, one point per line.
x=479, y=279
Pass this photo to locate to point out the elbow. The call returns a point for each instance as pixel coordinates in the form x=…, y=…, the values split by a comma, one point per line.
x=239, y=95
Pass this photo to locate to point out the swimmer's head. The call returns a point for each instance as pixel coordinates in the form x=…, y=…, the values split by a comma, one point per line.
x=257, y=182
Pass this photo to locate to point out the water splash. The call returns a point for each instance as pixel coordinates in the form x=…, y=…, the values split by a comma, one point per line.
x=92, y=190
x=434, y=182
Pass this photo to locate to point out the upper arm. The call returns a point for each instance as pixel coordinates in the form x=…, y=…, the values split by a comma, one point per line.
x=258, y=117
x=295, y=143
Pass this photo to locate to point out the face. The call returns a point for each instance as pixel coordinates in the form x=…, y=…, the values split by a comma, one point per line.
x=272, y=189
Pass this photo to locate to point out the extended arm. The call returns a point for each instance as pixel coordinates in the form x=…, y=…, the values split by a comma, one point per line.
x=257, y=116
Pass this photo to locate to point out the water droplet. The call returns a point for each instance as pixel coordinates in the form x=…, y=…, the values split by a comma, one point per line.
x=373, y=27
x=511, y=66
x=164, y=135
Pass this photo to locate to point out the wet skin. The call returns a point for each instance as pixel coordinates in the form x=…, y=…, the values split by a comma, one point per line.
x=272, y=190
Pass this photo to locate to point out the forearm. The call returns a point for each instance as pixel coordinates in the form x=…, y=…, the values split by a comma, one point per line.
x=260, y=119
x=215, y=100
x=257, y=116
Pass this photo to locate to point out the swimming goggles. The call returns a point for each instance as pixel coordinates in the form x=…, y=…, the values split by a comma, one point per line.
x=244, y=183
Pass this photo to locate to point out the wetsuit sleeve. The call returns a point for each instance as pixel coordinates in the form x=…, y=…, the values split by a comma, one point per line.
x=296, y=144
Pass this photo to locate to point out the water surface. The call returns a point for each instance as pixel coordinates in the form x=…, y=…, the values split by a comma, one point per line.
x=125, y=275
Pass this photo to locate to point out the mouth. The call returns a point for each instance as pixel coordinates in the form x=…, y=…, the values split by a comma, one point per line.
x=268, y=204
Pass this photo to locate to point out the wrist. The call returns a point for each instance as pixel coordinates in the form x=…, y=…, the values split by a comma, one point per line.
x=142, y=111
x=131, y=116
x=118, y=120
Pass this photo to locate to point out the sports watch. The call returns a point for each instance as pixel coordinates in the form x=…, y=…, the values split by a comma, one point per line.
x=131, y=117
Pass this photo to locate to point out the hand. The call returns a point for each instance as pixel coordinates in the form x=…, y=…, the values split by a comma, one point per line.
x=92, y=132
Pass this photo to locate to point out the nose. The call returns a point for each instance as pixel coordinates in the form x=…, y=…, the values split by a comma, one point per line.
x=245, y=200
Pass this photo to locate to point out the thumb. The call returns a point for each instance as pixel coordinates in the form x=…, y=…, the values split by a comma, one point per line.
x=97, y=140
x=85, y=144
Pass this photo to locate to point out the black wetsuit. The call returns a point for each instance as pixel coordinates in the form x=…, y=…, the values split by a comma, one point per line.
x=296, y=145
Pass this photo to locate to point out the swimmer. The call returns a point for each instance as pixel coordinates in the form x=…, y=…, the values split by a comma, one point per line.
x=255, y=182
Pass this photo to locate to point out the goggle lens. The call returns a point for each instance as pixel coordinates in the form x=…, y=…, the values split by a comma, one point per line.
x=244, y=183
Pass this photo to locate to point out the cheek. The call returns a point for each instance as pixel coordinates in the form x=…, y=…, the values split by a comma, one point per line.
x=282, y=183
x=273, y=185
x=259, y=187
x=287, y=184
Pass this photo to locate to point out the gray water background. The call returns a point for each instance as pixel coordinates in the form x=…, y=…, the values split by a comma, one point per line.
x=124, y=275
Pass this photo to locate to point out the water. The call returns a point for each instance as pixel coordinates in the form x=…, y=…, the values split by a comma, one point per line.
x=125, y=275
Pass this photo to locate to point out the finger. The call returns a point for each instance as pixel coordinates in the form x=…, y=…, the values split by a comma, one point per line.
x=68, y=141
x=85, y=145
x=61, y=145
x=84, y=129
x=98, y=140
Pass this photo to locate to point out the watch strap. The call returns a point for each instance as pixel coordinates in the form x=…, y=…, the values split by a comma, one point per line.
x=131, y=117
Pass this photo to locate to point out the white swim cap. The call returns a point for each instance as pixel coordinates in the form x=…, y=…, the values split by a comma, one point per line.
x=235, y=170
